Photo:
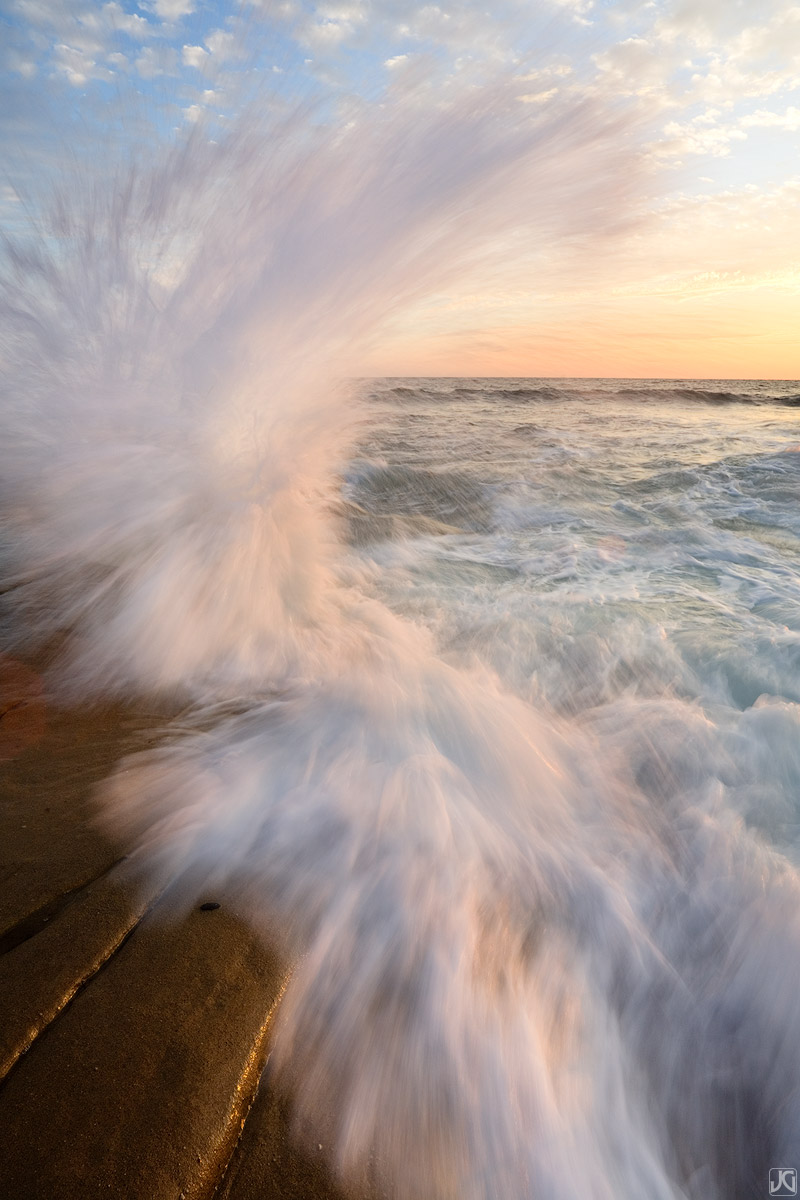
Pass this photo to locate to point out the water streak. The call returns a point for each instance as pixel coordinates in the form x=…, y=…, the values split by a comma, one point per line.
x=526, y=967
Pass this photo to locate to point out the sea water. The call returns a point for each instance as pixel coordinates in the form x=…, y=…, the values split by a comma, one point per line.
x=624, y=557
x=492, y=695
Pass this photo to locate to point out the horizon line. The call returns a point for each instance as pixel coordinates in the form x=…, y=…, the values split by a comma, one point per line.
x=641, y=378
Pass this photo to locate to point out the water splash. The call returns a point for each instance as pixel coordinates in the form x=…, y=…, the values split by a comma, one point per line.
x=172, y=344
x=480, y=897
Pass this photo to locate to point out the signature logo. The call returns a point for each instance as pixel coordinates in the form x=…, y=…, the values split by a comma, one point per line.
x=782, y=1181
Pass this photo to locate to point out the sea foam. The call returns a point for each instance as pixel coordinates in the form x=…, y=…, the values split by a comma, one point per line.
x=512, y=979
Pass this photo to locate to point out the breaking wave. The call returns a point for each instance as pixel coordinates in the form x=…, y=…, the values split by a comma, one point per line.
x=530, y=950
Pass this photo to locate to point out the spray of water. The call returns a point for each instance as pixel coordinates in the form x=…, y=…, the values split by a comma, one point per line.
x=483, y=908
x=172, y=345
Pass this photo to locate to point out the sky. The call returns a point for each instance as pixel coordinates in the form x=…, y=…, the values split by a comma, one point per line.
x=677, y=254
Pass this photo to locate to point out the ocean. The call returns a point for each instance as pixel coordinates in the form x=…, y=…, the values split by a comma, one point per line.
x=591, y=540
x=623, y=558
x=486, y=690
x=519, y=793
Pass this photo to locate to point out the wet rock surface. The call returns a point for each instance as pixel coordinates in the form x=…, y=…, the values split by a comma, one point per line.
x=137, y=1012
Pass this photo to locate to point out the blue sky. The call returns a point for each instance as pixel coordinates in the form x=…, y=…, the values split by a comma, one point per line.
x=710, y=90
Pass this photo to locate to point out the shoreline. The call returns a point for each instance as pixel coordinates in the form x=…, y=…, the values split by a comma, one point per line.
x=136, y=1023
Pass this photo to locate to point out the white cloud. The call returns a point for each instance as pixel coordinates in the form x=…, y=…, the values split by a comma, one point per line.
x=353, y=14
x=157, y=60
x=745, y=233
x=113, y=15
x=193, y=113
x=737, y=50
x=708, y=134
x=789, y=119
x=171, y=10
x=634, y=65
x=319, y=34
x=696, y=137
x=579, y=8
x=78, y=66
x=20, y=64
x=43, y=12
x=538, y=97
x=221, y=43
x=727, y=82
x=194, y=56
x=76, y=40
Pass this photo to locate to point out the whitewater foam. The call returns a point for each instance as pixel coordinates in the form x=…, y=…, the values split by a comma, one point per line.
x=531, y=949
